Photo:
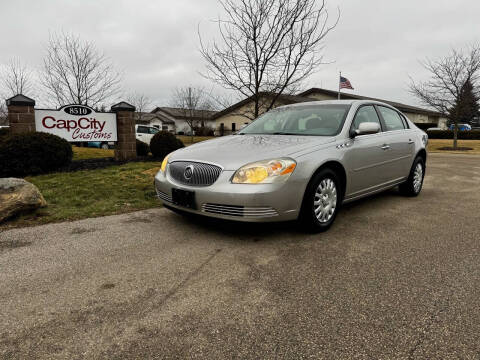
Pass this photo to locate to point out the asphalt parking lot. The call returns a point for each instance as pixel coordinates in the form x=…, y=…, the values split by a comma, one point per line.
x=395, y=278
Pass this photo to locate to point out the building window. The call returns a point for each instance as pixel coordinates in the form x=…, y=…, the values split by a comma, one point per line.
x=234, y=127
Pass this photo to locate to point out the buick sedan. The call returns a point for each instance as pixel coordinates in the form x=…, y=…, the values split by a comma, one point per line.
x=297, y=162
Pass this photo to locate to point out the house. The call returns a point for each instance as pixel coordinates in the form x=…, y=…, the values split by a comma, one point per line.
x=240, y=114
x=180, y=118
x=156, y=120
x=414, y=113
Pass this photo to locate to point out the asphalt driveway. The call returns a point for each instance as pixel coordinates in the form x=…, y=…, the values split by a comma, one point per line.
x=395, y=278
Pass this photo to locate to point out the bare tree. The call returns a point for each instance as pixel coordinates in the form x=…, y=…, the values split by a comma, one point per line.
x=191, y=101
x=75, y=71
x=448, y=78
x=141, y=102
x=16, y=78
x=267, y=46
x=3, y=114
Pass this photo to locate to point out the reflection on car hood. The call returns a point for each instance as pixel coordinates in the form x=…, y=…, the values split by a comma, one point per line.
x=234, y=151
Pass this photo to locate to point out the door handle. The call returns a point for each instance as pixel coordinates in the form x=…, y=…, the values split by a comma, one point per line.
x=410, y=141
x=385, y=147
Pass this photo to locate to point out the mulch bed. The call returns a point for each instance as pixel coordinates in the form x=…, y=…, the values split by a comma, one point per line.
x=459, y=148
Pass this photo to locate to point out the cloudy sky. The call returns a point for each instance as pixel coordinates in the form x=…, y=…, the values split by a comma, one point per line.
x=377, y=43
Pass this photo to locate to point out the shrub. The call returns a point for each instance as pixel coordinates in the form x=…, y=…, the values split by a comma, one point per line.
x=164, y=143
x=4, y=132
x=33, y=153
x=203, y=131
x=142, y=148
x=425, y=126
x=448, y=134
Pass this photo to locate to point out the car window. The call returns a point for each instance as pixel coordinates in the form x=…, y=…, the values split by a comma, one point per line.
x=392, y=119
x=316, y=120
x=365, y=114
x=153, y=131
x=142, y=130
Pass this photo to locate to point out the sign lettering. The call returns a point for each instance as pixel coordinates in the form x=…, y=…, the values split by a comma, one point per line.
x=77, y=123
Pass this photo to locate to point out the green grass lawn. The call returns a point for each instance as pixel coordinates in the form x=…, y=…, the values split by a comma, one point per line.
x=187, y=140
x=435, y=145
x=90, y=193
x=81, y=153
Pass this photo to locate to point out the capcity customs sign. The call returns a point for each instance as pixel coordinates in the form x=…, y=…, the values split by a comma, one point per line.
x=77, y=123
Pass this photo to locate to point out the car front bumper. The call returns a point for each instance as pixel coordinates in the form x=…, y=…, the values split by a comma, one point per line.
x=239, y=202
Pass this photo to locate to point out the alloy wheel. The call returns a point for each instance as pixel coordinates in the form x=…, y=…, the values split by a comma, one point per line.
x=325, y=201
x=418, y=178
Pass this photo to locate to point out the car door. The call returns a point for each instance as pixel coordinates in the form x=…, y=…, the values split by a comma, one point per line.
x=142, y=134
x=400, y=144
x=365, y=157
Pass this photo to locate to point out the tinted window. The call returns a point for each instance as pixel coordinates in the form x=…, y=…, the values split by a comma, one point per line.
x=153, y=130
x=365, y=114
x=323, y=120
x=392, y=119
x=142, y=130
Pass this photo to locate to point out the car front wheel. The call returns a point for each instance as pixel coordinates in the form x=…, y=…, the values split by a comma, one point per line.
x=321, y=201
x=414, y=183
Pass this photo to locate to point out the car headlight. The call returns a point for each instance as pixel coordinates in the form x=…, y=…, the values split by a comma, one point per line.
x=164, y=163
x=265, y=172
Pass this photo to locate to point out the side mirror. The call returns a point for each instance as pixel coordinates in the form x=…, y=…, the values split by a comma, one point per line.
x=366, y=128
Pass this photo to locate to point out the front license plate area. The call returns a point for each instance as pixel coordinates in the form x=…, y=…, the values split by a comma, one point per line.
x=184, y=198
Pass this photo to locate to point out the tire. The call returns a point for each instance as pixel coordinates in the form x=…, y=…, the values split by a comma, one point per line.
x=104, y=146
x=327, y=183
x=414, y=183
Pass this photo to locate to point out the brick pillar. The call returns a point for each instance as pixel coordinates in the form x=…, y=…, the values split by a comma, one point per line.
x=21, y=114
x=126, y=148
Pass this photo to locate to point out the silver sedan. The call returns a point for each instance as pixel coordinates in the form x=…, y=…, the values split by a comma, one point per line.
x=300, y=162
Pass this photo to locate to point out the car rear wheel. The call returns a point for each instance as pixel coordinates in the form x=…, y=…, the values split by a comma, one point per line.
x=321, y=202
x=414, y=183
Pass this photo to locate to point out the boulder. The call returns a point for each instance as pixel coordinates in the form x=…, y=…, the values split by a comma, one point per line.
x=18, y=195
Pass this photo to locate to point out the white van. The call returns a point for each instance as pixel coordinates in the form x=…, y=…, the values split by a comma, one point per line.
x=145, y=133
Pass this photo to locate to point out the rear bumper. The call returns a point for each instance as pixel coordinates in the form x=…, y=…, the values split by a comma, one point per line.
x=238, y=202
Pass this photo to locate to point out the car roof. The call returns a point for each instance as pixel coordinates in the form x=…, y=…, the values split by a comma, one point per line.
x=337, y=102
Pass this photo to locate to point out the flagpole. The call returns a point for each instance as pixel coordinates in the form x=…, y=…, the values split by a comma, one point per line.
x=339, y=85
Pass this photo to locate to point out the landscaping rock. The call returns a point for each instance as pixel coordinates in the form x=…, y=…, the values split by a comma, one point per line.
x=18, y=195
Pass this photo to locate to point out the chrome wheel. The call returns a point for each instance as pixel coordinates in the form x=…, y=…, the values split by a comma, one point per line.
x=325, y=201
x=418, y=178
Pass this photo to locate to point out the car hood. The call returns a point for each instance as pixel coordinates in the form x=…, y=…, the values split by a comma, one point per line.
x=232, y=152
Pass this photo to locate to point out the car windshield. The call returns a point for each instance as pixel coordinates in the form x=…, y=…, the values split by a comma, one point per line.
x=320, y=120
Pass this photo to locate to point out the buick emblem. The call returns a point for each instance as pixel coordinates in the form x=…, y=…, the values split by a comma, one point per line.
x=188, y=173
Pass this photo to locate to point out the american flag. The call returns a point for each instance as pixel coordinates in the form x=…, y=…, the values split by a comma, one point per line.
x=344, y=83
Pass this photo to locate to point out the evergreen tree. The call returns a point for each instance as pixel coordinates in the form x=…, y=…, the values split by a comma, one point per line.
x=466, y=109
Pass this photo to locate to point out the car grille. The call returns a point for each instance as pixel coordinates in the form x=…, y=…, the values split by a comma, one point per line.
x=236, y=210
x=164, y=196
x=202, y=174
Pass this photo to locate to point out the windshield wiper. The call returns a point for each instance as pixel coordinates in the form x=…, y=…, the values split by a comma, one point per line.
x=284, y=133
